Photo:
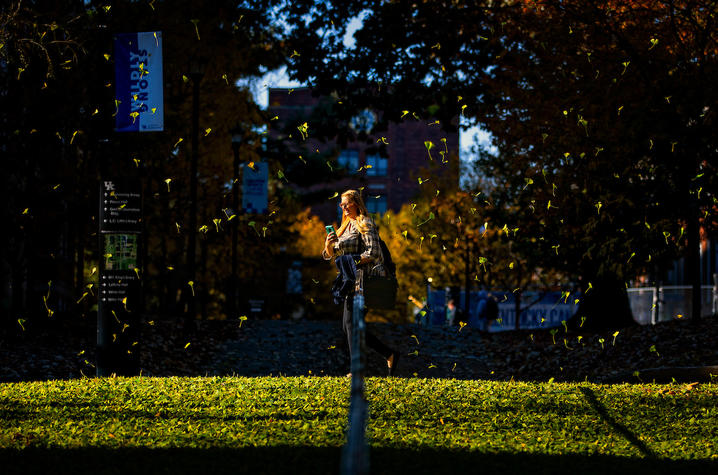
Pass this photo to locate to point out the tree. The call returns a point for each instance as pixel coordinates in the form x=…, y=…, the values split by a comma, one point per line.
x=56, y=130
x=604, y=132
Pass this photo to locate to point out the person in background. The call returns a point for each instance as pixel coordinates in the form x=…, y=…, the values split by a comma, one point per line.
x=358, y=237
x=481, y=314
x=451, y=313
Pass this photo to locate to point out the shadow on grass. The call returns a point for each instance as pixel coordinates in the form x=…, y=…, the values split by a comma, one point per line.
x=621, y=429
x=320, y=460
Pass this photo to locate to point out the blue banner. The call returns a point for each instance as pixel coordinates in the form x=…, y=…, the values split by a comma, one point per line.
x=138, y=82
x=254, y=188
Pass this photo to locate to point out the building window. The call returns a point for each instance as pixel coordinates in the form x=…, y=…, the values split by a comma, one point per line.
x=349, y=160
x=376, y=204
x=378, y=165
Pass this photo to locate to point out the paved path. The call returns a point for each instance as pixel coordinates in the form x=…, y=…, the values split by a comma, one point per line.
x=267, y=347
x=273, y=347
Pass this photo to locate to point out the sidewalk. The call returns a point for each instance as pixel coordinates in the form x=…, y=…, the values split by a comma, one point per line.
x=291, y=348
x=317, y=348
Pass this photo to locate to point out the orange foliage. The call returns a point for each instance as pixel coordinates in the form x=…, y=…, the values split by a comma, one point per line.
x=310, y=235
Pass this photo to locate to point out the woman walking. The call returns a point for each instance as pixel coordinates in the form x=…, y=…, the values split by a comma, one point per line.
x=357, y=237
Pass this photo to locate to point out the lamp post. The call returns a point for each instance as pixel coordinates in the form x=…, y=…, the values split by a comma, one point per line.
x=196, y=71
x=236, y=144
x=429, y=310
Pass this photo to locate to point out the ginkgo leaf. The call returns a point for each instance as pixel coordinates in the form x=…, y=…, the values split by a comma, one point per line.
x=429, y=145
x=195, y=22
x=303, y=130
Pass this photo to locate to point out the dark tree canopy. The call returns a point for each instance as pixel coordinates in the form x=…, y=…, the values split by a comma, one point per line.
x=601, y=113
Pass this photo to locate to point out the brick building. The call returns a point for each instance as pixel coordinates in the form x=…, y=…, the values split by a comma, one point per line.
x=390, y=175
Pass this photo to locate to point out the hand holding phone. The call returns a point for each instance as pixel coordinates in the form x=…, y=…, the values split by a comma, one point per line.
x=330, y=229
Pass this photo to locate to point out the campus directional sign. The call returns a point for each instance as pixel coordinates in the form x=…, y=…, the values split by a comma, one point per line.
x=120, y=207
x=120, y=286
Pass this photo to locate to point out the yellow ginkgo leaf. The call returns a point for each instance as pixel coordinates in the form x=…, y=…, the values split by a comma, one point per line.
x=195, y=22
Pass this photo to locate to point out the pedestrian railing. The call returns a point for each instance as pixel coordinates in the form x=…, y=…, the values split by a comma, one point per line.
x=651, y=305
x=355, y=454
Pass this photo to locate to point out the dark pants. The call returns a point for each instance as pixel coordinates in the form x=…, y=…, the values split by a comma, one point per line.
x=371, y=341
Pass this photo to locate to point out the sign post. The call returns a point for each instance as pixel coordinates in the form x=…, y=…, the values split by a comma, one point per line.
x=120, y=286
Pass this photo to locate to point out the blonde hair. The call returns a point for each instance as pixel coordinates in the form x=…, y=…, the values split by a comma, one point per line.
x=362, y=221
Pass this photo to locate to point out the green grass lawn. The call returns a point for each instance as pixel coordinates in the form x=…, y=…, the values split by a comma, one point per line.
x=296, y=425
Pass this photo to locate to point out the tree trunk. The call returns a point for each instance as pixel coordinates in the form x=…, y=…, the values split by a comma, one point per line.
x=467, y=280
x=517, y=304
x=693, y=261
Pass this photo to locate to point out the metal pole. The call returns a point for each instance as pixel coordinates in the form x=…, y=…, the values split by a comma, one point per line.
x=715, y=294
x=467, y=280
x=235, y=207
x=656, y=303
x=355, y=454
x=191, y=247
x=429, y=314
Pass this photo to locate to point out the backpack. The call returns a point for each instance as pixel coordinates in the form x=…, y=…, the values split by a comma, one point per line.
x=388, y=262
x=380, y=291
x=492, y=309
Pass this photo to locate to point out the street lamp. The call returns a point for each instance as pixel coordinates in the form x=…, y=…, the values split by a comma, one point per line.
x=237, y=139
x=197, y=66
x=429, y=312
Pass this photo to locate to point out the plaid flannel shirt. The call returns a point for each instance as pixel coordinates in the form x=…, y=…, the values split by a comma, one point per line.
x=363, y=245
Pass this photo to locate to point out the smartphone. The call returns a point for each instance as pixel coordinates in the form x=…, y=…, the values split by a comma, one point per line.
x=330, y=229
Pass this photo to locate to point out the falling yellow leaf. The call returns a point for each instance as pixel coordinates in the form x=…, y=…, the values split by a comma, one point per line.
x=195, y=22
